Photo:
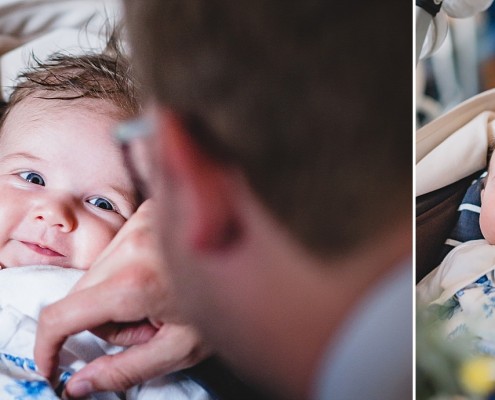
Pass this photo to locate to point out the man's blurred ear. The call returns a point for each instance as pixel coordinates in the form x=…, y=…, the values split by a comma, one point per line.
x=200, y=182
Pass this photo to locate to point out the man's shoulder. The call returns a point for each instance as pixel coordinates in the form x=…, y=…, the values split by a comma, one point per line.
x=377, y=333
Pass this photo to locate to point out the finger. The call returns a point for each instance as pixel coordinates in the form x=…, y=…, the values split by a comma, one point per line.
x=66, y=317
x=169, y=351
x=126, y=334
x=137, y=247
x=140, y=220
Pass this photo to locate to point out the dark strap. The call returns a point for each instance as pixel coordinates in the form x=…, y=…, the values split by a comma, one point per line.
x=430, y=6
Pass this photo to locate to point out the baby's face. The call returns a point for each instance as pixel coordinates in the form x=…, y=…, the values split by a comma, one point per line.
x=64, y=189
x=487, y=214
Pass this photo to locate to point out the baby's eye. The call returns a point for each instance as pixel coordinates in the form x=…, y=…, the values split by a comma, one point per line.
x=32, y=177
x=103, y=203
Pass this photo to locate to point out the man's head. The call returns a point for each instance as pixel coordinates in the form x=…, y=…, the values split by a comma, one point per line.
x=65, y=188
x=282, y=148
x=310, y=99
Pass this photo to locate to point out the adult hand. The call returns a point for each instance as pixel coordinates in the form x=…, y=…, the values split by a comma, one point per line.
x=124, y=299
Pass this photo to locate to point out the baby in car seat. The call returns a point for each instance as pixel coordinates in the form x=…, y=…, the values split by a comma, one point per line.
x=460, y=292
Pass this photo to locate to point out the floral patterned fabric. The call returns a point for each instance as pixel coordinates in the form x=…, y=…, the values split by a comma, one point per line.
x=461, y=293
x=19, y=380
x=24, y=291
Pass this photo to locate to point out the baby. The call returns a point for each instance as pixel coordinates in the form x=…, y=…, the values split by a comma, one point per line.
x=65, y=192
x=461, y=290
x=65, y=189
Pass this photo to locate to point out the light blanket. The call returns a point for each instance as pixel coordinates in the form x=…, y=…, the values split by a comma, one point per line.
x=24, y=291
x=461, y=294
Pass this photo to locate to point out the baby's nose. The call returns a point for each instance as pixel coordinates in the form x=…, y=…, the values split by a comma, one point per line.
x=57, y=212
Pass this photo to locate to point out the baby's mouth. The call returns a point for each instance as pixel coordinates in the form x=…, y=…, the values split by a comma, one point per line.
x=43, y=250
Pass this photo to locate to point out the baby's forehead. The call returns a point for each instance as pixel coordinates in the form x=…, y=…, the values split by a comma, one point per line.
x=40, y=109
x=72, y=131
x=40, y=103
x=64, y=122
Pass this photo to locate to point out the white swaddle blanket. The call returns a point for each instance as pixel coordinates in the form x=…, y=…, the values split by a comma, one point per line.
x=29, y=289
x=24, y=291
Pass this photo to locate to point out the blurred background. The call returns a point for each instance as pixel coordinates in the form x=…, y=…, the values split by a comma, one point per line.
x=462, y=65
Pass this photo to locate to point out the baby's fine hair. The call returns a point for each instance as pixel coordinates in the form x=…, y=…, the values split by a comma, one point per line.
x=106, y=76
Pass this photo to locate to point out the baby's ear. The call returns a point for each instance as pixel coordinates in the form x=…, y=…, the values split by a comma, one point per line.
x=202, y=184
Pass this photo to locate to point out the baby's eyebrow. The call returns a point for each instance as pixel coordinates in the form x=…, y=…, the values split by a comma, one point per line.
x=22, y=155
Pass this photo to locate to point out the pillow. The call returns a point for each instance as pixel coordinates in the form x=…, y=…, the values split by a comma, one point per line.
x=467, y=226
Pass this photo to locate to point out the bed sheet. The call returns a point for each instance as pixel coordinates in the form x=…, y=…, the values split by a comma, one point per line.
x=41, y=27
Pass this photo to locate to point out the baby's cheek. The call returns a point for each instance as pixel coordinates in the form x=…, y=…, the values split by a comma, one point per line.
x=91, y=243
x=487, y=225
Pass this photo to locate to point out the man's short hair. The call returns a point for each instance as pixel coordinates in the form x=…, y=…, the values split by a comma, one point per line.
x=311, y=99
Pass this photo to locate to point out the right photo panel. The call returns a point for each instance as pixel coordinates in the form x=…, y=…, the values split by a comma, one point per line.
x=455, y=199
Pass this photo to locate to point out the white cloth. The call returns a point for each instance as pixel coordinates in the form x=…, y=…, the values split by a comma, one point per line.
x=462, y=288
x=438, y=28
x=461, y=267
x=42, y=27
x=24, y=291
x=372, y=356
x=469, y=143
x=471, y=125
x=43, y=285
x=465, y=8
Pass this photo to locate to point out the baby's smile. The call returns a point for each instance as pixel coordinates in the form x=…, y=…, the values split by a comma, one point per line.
x=26, y=251
x=43, y=250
